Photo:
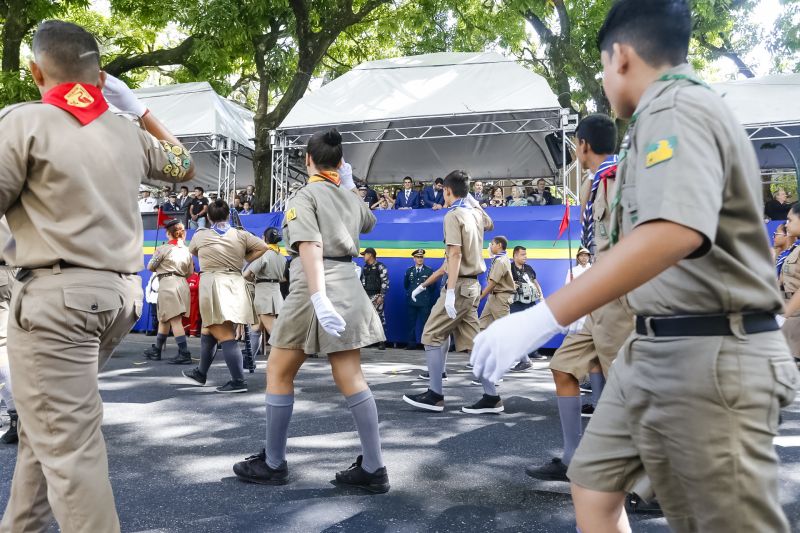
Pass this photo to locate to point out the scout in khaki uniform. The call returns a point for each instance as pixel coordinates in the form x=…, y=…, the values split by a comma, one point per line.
x=225, y=301
x=6, y=280
x=268, y=272
x=326, y=311
x=172, y=263
x=790, y=283
x=77, y=293
x=693, y=399
x=591, y=350
x=500, y=287
x=456, y=311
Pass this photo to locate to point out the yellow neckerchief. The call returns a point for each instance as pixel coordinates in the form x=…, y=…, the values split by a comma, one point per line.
x=274, y=247
x=326, y=175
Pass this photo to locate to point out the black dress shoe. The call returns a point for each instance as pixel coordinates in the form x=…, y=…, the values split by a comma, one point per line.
x=381, y=345
x=255, y=469
x=152, y=353
x=355, y=476
x=183, y=358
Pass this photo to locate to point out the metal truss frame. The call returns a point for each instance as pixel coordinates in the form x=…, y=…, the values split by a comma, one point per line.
x=225, y=150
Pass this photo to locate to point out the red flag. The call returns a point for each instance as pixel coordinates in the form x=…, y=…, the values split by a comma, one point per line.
x=162, y=217
x=564, y=221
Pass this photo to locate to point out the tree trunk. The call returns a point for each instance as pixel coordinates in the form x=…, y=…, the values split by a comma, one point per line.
x=15, y=28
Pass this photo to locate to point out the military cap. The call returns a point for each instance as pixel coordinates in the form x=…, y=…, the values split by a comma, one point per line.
x=418, y=252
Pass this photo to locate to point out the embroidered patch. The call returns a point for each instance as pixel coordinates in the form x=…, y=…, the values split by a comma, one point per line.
x=78, y=96
x=661, y=151
x=291, y=214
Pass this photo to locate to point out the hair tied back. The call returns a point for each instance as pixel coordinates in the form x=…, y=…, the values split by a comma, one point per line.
x=333, y=137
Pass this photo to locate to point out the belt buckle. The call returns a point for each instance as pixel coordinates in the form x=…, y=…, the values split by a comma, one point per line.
x=648, y=326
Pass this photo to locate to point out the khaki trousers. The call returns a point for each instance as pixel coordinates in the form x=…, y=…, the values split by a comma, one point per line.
x=464, y=327
x=498, y=305
x=63, y=327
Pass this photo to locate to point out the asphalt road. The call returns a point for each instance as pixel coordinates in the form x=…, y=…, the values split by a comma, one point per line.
x=171, y=447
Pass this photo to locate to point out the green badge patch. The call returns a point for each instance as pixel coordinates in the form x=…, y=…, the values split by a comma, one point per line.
x=660, y=151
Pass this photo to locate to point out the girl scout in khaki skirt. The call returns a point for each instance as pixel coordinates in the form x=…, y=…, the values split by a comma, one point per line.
x=268, y=273
x=224, y=298
x=327, y=311
x=172, y=263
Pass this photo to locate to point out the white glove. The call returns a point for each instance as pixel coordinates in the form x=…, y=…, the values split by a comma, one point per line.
x=450, y=303
x=504, y=342
x=416, y=292
x=331, y=321
x=346, y=175
x=780, y=319
x=121, y=96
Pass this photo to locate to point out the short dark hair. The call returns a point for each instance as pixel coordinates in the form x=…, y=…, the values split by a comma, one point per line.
x=502, y=241
x=796, y=209
x=218, y=210
x=519, y=248
x=600, y=132
x=458, y=183
x=438, y=181
x=72, y=50
x=199, y=188
x=409, y=178
x=659, y=30
x=325, y=149
x=185, y=187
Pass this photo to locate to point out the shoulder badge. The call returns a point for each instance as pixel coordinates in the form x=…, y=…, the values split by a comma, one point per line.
x=291, y=214
x=660, y=151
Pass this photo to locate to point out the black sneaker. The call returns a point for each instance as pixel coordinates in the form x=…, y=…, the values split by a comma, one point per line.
x=255, y=469
x=183, y=358
x=522, y=366
x=486, y=405
x=427, y=375
x=536, y=356
x=469, y=365
x=233, y=386
x=355, y=476
x=634, y=504
x=195, y=376
x=382, y=346
x=587, y=410
x=428, y=400
x=555, y=470
x=11, y=436
x=478, y=382
x=152, y=353
x=586, y=388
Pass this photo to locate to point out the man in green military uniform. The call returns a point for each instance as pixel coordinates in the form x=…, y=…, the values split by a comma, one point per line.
x=693, y=399
x=420, y=302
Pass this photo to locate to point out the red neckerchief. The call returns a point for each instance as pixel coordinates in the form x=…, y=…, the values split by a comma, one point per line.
x=173, y=242
x=84, y=102
x=327, y=175
x=608, y=174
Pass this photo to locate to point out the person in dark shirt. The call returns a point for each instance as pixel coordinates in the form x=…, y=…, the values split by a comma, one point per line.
x=778, y=208
x=198, y=209
x=433, y=195
x=171, y=205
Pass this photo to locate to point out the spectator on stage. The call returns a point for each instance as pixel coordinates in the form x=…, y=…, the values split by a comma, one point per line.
x=541, y=195
x=408, y=198
x=184, y=199
x=246, y=209
x=372, y=195
x=419, y=308
x=171, y=205
x=381, y=205
x=249, y=195
x=477, y=192
x=198, y=208
x=497, y=198
x=147, y=204
x=778, y=208
x=517, y=197
x=237, y=204
x=362, y=192
x=433, y=195
x=375, y=280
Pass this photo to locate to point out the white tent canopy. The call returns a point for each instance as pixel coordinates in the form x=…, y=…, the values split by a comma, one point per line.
x=424, y=116
x=219, y=132
x=769, y=107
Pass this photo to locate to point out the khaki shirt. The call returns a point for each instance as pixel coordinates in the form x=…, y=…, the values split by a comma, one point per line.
x=171, y=259
x=500, y=273
x=322, y=212
x=464, y=227
x=790, y=273
x=224, y=253
x=5, y=237
x=70, y=191
x=271, y=265
x=691, y=163
x=601, y=212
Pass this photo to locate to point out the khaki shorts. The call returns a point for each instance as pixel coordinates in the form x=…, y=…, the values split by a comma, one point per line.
x=497, y=306
x=597, y=343
x=698, y=415
x=464, y=327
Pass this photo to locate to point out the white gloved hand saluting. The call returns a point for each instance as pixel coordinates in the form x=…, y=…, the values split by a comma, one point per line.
x=416, y=292
x=346, y=175
x=504, y=342
x=121, y=96
x=450, y=303
x=331, y=321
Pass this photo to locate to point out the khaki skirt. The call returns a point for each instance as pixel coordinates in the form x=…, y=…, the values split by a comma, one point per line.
x=297, y=327
x=224, y=298
x=173, y=298
x=269, y=299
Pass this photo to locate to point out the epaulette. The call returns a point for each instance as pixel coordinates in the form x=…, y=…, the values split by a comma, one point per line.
x=8, y=109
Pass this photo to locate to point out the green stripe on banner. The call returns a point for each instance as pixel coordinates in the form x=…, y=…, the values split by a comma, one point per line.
x=434, y=245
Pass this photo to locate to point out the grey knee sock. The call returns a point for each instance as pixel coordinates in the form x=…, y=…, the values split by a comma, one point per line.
x=279, y=413
x=488, y=387
x=233, y=358
x=365, y=413
x=208, y=347
x=5, y=392
x=161, y=340
x=181, y=342
x=435, y=367
x=569, y=411
x=255, y=342
x=598, y=382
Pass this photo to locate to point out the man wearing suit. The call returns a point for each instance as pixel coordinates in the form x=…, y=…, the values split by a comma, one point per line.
x=419, y=308
x=249, y=195
x=433, y=195
x=408, y=198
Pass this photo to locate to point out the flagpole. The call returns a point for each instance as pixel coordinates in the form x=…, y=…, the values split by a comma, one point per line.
x=566, y=197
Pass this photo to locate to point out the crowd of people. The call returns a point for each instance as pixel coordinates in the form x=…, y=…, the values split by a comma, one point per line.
x=192, y=208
